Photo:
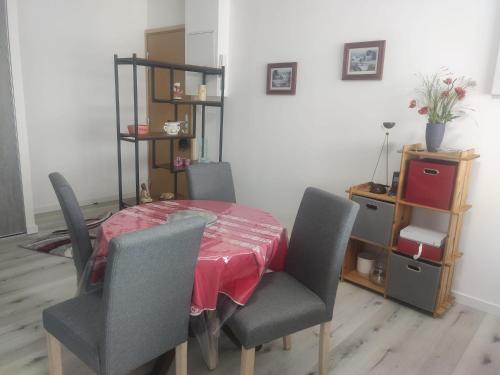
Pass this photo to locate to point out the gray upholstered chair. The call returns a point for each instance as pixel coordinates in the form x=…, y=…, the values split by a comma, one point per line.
x=304, y=295
x=211, y=181
x=143, y=309
x=79, y=234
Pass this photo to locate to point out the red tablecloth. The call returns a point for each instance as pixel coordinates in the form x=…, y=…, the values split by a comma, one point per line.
x=235, y=250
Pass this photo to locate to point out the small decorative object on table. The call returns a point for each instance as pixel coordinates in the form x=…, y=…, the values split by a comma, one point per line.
x=202, y=93
x=441, y=101
x=167, y=196
x=281, y=78
x=395, y=184
x=145, y=196
x=380, y=188
x=178, y=162
x=364, y=60
x=178, y=92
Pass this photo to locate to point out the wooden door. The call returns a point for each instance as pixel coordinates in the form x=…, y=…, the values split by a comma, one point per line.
x=12, y=220
x=166, y=45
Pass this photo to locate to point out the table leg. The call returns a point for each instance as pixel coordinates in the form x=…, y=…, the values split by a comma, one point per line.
x=206, y=328
x=212, y=339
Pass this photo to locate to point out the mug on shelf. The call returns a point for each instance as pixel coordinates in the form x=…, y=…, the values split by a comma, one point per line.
x=172, y=127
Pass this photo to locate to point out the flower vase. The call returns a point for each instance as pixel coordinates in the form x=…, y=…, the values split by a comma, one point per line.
x=434, y=134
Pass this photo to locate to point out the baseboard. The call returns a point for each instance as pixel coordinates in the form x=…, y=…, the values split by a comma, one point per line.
x=477, y=303
x=87, y=202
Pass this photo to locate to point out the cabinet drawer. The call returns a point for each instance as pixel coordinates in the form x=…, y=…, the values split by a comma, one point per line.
x=413, y=282
x=374, y=220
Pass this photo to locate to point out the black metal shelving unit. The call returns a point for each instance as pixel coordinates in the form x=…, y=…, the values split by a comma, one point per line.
x=153, y=138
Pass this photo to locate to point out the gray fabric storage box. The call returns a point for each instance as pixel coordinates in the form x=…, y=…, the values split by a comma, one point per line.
x=413, y=282
x=374, y=221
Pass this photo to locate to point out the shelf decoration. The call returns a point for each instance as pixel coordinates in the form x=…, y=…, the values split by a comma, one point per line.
x=441, y=101
x=363, y=60
x=281, y=78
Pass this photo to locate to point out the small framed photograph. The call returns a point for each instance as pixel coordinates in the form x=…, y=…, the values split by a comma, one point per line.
x=364, y=60
x=281, y=78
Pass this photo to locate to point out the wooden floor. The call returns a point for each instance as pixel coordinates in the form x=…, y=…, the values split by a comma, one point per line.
x=370, y=334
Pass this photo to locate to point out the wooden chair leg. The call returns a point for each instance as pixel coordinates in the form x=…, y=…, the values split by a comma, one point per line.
x=287, y=342
x=55, y=355
x=324, y=348
x=247, y=361
x=181, y=359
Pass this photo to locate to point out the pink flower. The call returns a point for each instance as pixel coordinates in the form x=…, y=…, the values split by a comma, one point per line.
x=448, y=81
x=460, y=92
x=413, y=104
x=423, y=110
x=445, y=94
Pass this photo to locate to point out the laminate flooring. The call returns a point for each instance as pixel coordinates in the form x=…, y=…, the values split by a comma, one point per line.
x=370, y=334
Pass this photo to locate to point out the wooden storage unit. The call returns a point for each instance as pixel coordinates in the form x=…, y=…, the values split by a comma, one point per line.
x=402, y=215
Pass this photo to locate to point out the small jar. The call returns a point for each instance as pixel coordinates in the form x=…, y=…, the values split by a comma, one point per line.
x=378, y=274
x=202, y=93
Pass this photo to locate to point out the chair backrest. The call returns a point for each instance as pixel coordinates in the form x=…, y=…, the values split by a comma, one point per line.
x=147, y=293
x=211, y=181
x=80, y=239
x=318, y=242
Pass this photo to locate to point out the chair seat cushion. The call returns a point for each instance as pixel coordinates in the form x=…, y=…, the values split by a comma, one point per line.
x=76, y=323
x=279, y=306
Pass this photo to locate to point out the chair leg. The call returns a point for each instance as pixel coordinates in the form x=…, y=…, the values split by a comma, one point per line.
x=324, y=348
x=247, y=361
x=287, y=342
x=181, y=359
x=55, y=355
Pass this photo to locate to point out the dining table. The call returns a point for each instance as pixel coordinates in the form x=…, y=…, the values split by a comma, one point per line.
x=238, y=246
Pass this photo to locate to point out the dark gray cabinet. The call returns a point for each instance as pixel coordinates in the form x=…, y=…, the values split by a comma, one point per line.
x=12, y=219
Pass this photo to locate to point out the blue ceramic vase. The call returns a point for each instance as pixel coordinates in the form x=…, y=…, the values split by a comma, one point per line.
x=434, y=134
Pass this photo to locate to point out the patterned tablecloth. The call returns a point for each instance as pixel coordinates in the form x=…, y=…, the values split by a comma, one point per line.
x=235, y=250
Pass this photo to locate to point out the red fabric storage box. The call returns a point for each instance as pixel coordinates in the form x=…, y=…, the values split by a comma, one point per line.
x=431, y=183
x=421, y=243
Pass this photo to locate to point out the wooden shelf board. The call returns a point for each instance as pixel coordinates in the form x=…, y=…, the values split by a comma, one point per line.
x=364, y=191
x=208, y=103
x=444, y=155
x=423, y=260
x=152, y=136
x=356, y=278
x=370, y=242
x=460, y=211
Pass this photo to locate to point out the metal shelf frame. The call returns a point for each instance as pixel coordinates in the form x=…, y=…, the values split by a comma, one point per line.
x=135, y=62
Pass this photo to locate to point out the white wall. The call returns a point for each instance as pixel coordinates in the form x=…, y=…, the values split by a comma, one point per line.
x=67, y=52
x=329, y=134
x=163, y=13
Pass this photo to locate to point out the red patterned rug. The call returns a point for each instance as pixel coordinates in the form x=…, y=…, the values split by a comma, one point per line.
x=59, y=243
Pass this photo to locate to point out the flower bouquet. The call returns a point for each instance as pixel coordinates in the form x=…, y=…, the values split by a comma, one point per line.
x=441, y=100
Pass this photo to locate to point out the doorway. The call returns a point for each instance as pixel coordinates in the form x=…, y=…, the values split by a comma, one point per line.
x=168, y=45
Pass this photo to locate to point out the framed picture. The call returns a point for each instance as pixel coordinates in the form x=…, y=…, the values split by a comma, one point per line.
x=364, y=60
x=281, y=78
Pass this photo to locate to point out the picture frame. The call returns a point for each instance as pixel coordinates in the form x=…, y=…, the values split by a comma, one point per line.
x=363, y=60
x=281, y=78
